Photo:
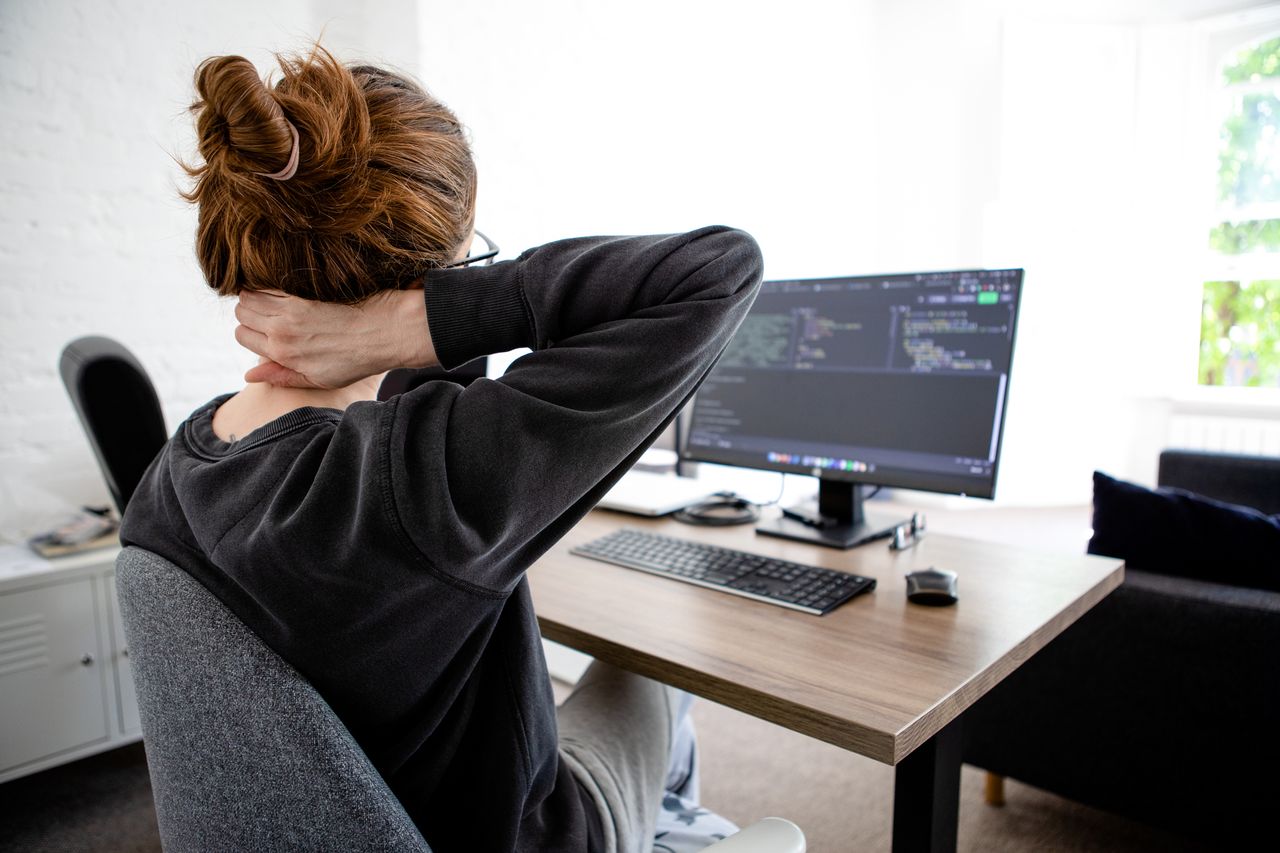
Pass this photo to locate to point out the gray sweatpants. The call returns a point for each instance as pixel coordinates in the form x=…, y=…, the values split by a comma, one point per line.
x=628, y=740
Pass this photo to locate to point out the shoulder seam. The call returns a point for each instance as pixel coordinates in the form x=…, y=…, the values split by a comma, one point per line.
x=392, y=511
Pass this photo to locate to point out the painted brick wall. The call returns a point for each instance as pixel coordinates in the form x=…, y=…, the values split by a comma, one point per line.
x=93, y=236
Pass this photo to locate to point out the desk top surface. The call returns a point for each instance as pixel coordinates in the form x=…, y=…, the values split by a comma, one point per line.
x=877, y=675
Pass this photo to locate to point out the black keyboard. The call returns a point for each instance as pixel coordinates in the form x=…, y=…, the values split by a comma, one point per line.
x=807, y=588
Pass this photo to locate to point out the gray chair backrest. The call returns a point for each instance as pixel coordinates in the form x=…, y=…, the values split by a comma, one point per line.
x=243, y=752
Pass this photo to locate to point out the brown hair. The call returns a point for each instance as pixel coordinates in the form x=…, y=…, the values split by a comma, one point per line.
x=384, y=189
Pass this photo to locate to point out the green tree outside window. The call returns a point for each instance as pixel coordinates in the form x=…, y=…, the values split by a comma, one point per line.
x=1240, y=323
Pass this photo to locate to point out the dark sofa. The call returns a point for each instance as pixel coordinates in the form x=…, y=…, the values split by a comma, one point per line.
x=1160, y=704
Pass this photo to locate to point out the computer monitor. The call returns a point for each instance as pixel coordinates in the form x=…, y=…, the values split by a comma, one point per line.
x=891, y=380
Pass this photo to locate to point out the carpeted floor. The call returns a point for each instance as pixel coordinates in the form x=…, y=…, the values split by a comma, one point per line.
x=750, y=769
x=100, y=804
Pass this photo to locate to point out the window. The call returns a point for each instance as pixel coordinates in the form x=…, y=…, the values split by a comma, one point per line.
x=1240, y=323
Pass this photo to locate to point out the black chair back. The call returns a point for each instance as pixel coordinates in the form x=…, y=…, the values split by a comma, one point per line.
x=118, y=408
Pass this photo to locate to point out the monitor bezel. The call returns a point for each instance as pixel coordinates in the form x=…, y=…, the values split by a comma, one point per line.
x=923, y=482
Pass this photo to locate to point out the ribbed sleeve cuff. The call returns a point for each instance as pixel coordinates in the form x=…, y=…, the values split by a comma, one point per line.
x=476, y=311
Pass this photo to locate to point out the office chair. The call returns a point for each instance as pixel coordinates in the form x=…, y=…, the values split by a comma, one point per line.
x=244, y=754
x=118, y=408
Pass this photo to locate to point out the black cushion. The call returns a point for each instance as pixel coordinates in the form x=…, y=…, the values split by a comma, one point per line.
x=1176, y=532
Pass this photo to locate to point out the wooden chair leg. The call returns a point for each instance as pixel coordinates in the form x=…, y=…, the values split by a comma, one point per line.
x=993, y=792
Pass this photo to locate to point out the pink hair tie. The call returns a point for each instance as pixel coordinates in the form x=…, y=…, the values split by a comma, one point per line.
x=292, y=166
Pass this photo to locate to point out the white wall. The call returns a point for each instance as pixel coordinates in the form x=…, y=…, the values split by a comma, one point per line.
x=859, y=136
x=628, y=118
x=882, y=135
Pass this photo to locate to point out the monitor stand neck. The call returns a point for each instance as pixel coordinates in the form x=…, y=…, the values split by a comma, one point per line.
x=837, y=520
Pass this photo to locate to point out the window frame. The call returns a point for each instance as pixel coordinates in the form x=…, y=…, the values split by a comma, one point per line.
x=1222, y=39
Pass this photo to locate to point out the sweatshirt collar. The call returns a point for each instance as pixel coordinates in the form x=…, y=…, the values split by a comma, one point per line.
x=203, y=440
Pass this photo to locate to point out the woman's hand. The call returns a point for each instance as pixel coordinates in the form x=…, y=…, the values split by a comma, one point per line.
x=310, y=344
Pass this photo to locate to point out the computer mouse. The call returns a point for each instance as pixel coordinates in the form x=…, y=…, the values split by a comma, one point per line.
x=934, y=587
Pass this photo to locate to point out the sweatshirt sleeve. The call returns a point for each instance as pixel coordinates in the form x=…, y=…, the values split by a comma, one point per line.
x=483, y=480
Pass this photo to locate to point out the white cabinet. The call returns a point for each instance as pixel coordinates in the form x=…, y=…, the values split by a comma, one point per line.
x=51, y=668
x=66, y=690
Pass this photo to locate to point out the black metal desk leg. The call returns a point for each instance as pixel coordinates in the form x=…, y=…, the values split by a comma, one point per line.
x=926, y=795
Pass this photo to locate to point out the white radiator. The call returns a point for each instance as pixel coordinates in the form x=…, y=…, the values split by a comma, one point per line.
x=1224, y=433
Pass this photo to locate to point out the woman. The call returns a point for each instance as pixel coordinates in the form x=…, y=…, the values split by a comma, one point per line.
x=380, y=547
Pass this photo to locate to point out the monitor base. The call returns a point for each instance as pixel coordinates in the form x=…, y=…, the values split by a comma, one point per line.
x=832, y=535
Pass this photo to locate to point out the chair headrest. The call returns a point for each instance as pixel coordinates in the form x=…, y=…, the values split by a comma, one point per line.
x=118, y=408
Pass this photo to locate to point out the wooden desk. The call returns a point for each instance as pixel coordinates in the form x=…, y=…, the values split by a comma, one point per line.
x=878, y=676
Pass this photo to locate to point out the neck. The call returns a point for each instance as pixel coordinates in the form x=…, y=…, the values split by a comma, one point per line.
x=259, y=404
x=278, y=396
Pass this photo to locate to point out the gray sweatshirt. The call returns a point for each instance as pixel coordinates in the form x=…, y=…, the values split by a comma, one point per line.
x=382, y=550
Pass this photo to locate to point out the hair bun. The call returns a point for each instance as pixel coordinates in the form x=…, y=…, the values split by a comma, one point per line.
x=386, y=190
x=240, y=125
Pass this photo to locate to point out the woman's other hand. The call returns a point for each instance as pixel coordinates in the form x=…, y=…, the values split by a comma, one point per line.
x=310, y=344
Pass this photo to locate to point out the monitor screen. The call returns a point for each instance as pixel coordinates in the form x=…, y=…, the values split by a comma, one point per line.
x=895, y=380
